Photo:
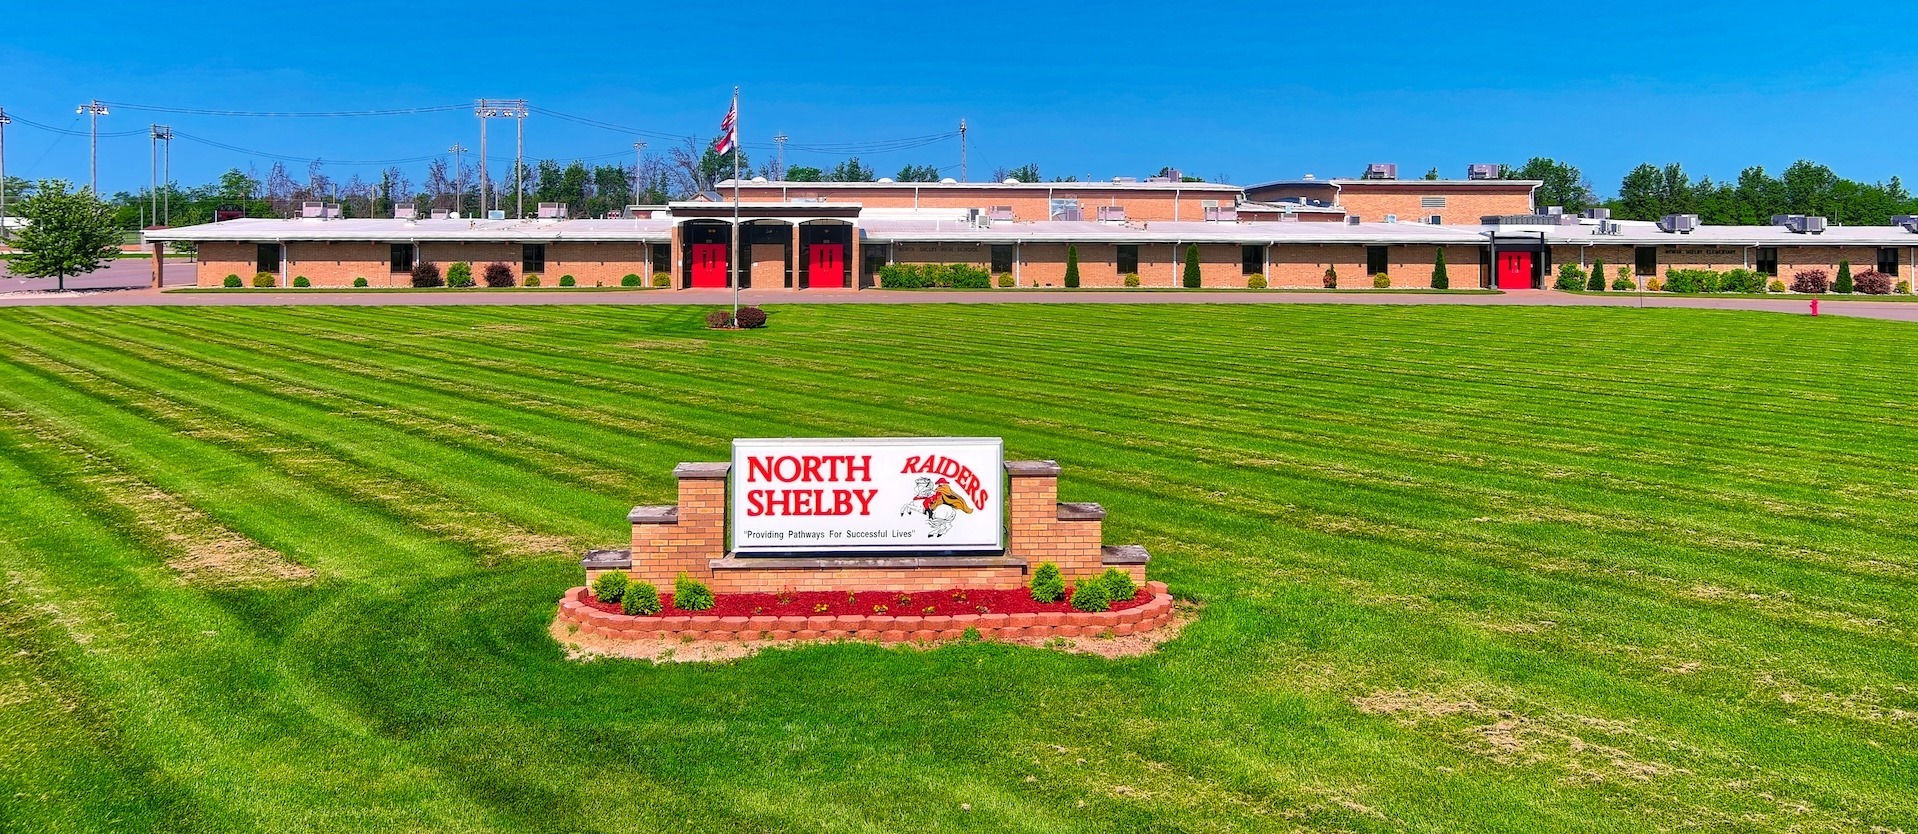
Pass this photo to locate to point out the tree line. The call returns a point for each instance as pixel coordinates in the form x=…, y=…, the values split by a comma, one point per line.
x=1650, y=192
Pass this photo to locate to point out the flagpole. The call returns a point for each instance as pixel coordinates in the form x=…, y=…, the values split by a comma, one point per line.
x=736, y=253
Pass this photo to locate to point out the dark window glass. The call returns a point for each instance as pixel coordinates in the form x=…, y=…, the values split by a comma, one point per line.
x=1768, y=260
x=1252, y=260
x=662, y=257
x=401, y=257
x=1888, y=260
x=269, y=258
x=532, y=259
x=1645, y=262
x=1127, y=260
x=1001, y=259
x=1375, y=260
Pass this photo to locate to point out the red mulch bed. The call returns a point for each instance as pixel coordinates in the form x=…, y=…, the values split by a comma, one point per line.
x=895, y=603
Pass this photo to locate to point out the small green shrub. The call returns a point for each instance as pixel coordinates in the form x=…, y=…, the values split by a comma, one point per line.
x=641, y=599
x=300, y=281
x=264, y=279
x=1255, y=281
x=1190, y=279
x=610, y=586
x=750, y=318
x=530, y=280
x=360, y=281
x=1842, y=284
x=925, y=276
x=1440, y=280
x=1132, y=279
x=1775, y=286
x=1006, y=280
x=1072, y=266
x=1570, y=278
x=1090, y=594
x=231, y=282
x=1622, y=283
x=566, y=280
x=460, y=274
x=1904, y=288
x=629, y=280
x=662, y=279
x=1047, y=585
x=1597, y=282
x=690, y=595
x=1381, y=281
x=1119, y=585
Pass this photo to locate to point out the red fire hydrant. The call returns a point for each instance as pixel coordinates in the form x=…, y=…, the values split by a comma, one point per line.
x=1814, y=306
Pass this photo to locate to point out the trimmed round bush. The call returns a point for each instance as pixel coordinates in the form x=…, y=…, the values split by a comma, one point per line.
x=1622, y=283
x=641, y=600
x=662, y=279
x=750, y=317
x=1047, y=585
x=629, y=280
x=531, y=280
x=690, y=595
x=232, y=282
x=1090, y=595
x=300, y=281
x=1872, y=282
x=264, y=279
x=359, y=281
x=1132, y=279
x=1381, y=281
x=1255, y=281
x=566, y=281
x=498, y=275
x=1904, y=288
x=1654, y=285
x=719, y=319
x=1119, y=585
x=1005, y=280
x=1811, y=281
x=610, y=586
x=460, y=274
x=1775, y=286
x=427, y=274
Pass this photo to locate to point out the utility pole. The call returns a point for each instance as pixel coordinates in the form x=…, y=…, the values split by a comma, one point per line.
x=494, y=108
x=639, y=149
x=4, y=121
x=459, y=175
x=93, y=110
x=166, y=175
x=780, y=140
x=962, y=150
x=158, y=133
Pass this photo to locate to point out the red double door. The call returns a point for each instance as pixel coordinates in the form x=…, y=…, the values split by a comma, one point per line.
x=826, y=267
x=1514, y=270
x=709, y=265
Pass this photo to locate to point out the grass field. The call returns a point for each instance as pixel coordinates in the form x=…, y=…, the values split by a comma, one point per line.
x=1457, y=568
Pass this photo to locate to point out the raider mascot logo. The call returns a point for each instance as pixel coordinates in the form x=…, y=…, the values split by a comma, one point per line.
x=938, y=502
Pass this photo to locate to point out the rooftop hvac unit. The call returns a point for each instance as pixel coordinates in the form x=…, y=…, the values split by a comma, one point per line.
x=1112, y=213
x=310, y=209
x=1158, y=179
x=1070, y=215
x=441, y=214
x=1391, y=218
x=1909, y=221
x=1566, y=219
x=1812, y=226
x=1799, y=223
x=1680, y=223
x=1481, y=171
x=1125, y=180
x=1382, y=171
x=1596, y=214
x=332, y=209
x=1553, y=211
x=1222, y=214
x=403, y=211
x=1000, y=213
x=552, y=211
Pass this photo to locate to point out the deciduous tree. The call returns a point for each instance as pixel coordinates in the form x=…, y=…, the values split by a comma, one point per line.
x=67, y=233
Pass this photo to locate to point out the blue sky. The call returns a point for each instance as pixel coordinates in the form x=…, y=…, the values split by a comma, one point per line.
x=1254, y=91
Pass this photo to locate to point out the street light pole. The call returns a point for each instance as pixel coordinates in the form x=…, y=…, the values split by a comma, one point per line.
x=4, y=121
x=93, y=110
x=459, y=175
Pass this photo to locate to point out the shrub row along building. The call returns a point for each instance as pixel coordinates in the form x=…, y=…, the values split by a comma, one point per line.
x=810, y=235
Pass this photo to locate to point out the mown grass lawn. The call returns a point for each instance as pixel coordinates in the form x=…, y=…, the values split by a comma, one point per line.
x=1459, y=569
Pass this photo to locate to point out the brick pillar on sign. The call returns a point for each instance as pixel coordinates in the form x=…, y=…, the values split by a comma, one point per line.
x=1040, y=529
x=687, y=537
x=159, y=265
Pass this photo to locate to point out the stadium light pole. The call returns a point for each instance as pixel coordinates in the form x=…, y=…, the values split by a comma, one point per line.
x=495, y=108
x=4, y=121
x=93, y=110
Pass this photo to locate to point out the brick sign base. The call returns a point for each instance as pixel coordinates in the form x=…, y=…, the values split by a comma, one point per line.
x=876, y=627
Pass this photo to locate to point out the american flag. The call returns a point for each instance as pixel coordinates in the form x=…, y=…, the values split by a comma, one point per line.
x=728, y=130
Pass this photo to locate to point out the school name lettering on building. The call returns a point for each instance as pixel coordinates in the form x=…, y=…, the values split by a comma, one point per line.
x=866, y=495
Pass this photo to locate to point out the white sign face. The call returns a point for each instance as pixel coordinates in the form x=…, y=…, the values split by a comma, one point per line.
x=867, y=495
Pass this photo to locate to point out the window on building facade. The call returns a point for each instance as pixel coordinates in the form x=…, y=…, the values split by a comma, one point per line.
x=1376, y=259
x=1001, y=258
x=1252, y=260
x=662, y=257
x=269, y=258
x=1127, y=259
x=532, y=259
x=1768, y=260
x=401, y=257
x=1645, y=262
x=1888, y=260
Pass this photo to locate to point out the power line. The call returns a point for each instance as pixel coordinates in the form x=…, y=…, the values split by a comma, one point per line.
x=309, y=158
x=70, y=132
x=396, y=111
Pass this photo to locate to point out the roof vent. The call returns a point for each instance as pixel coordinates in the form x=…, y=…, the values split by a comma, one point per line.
x=1481, y=171
x=1680, y=223
x=1308, y=177
x=552, y=211
x=403, y=211
x=763, y=179
x=948, y=181
x=1158, y=179
x=884, y=179
x=1011, y=181
x=1608, y=227
x=1596, y=214
x=1799, y=223
x=1354, y=220
x=1381, y=171
x=1123, y=180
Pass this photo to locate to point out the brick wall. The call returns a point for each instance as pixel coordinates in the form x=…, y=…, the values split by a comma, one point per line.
x=218, y=260
x=1723, y=257
x=1028, y=204
x=1464, y=205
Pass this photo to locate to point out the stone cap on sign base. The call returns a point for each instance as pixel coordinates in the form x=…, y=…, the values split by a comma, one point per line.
x=702, y=471
x=1124, y=554
x=654, y=514
x=1081, y=511
x=1032, y=468
x=607, y=560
